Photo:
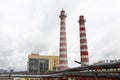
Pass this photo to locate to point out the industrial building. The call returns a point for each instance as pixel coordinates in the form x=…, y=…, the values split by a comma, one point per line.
x=41, y=63
x=56, y=67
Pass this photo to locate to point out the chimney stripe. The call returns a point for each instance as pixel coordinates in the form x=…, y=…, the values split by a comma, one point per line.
x=85, y=63
x=84, y=50
x=82, y=26
x=62, y=30
x=83, y=38
x=63, y=35
x=84, y=56
x=83, y=47
x=63, y=62
x=63, y=52
x=82, y=31
x=83, y=44
x=84, y=53
x=84, y=59
x=63, y=55
x=63, y=58
x=83, y=41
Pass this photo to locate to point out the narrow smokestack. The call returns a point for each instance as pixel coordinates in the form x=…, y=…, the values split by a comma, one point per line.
x=83, y=42
x=63, y=64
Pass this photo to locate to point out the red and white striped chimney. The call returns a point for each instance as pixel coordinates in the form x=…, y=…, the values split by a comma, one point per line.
x=63, y=64
x=83, y=42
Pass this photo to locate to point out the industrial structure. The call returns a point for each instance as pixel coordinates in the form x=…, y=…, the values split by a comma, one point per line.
x=41, y=63
x=104, y=71
x=63, y=63
x=83, y=42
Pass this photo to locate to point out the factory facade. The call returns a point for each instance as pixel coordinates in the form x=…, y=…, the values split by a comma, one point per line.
x=41, y=63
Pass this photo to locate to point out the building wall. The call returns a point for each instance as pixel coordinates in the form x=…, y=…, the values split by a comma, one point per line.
x=31, y=79
x=53, y=60
x=4, y=78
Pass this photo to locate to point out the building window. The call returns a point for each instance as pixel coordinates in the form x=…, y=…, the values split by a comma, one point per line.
x=43, y=65
x=38, y=65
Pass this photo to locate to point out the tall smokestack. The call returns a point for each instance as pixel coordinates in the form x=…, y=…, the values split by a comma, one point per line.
x=63, y=64
x=83, y=42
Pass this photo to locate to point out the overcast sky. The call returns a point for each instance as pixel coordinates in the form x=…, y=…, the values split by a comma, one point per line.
x=28, y=26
